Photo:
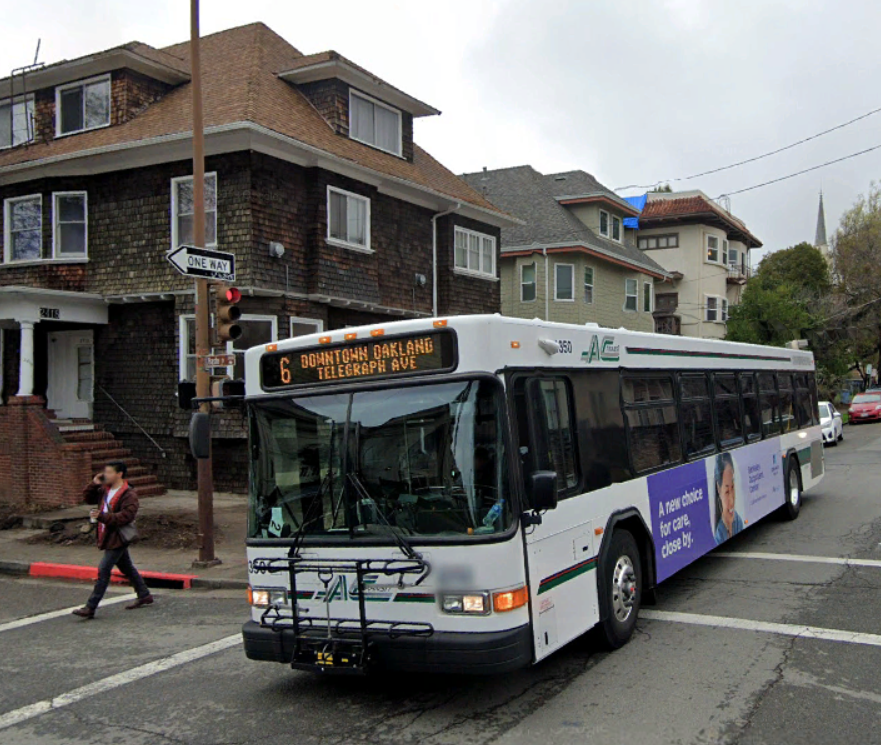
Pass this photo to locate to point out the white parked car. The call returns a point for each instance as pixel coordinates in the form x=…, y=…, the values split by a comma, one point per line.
x=830, y=421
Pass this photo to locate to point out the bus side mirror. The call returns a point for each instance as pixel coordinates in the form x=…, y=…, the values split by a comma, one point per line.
x=200, y=435
x=543, y=491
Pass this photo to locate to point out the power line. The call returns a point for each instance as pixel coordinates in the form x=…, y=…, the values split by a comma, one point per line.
x=799, y=173
x=757, y=157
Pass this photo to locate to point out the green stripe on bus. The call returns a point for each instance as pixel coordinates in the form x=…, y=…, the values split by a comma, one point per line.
x=710, y=355
x=414, y=597
x=555, y=580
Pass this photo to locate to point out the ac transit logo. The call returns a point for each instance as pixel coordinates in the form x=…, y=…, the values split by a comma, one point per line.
x=339, y=589
x=603, y=349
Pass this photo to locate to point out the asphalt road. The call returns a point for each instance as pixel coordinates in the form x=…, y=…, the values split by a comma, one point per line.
x=175, y=672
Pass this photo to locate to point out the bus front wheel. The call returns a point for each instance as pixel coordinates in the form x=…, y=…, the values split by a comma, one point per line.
x=792, y=490
x=622, y=576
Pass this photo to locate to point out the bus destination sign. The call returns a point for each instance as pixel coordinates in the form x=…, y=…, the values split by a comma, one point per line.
x=374, y=358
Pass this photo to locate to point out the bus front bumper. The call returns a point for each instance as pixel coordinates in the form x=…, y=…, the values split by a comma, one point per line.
x=486, y=653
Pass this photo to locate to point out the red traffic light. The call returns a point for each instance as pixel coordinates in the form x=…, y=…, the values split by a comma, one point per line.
x=233, y=295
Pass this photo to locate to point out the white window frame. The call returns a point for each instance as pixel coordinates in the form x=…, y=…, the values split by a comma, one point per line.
x=616, y=221
x=319, y=324
x=608, y=224
x=174, y=184
x=182, y=344
x=557, y=298
x=634, y=295
x=717, y=249
x=375, y=102
x=7, y=229
x=715, y=309
x=82, y=84
x=651, y=297
x=725, y=252
x=56, y=252
x=724, y=313
x=491, y=275
x=348, y=244
x=28, y=102
x=736, y=254
x=592, y=285
x=534, y=265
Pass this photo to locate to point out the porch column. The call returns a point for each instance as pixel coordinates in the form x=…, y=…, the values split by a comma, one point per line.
x=26, y=362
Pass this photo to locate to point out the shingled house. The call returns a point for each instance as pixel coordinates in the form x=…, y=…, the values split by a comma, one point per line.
x=311, y=152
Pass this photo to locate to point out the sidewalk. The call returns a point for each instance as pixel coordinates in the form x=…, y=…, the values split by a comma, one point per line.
x=18, y=549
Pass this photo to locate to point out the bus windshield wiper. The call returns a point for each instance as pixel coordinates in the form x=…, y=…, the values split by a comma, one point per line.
x=402, y=542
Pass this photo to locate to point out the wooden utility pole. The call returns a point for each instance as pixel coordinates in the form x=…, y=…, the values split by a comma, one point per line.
x=203, y=311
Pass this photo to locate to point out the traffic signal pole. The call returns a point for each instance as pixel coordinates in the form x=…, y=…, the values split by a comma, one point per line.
x=203, y=311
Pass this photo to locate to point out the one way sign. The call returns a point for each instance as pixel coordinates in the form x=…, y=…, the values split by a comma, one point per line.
x=192, y=261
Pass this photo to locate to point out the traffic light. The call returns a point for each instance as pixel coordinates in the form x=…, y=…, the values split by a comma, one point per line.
x=227, y=313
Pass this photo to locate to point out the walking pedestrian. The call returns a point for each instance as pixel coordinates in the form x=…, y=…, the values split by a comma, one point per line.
x=115, y=515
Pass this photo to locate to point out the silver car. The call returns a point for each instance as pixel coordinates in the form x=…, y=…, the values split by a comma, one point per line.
x=832, y=424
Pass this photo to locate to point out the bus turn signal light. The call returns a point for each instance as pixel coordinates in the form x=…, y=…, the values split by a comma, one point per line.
x=510, y=599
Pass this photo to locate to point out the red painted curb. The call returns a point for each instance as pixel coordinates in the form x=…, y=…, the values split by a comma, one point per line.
x=72, y=571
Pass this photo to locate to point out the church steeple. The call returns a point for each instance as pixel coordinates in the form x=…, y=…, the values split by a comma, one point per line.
x=820, y=239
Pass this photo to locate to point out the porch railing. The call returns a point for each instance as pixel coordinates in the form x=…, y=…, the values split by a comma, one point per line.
x=133, y=421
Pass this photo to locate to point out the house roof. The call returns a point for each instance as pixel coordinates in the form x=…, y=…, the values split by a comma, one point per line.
x=532, y=196
x=241, y=86
x=693, y=207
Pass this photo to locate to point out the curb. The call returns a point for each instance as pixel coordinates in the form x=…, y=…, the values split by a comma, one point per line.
x=90, y=573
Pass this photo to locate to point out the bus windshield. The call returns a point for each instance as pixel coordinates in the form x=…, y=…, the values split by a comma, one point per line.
x=423, y=460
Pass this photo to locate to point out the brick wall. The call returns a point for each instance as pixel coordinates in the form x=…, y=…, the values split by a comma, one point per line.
x=38, y=470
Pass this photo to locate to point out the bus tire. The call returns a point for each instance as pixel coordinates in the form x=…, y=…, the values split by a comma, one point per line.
x=622, y=575
x=792, y=490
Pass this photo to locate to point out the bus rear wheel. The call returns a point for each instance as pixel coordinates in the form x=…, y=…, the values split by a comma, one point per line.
x=622, y=577
x=792, y=490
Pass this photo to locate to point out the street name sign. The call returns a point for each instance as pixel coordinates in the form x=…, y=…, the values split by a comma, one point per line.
x=209, y=362
x=203, y=263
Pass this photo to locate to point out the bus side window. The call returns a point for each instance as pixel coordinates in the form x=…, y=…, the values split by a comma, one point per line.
x=652, y=422
x=554, y=436
x=770, y=404
x=697, y=424
x=726, y=407
x=815, y=399
x=803, y=404
x=787, y=410
x=752, y=413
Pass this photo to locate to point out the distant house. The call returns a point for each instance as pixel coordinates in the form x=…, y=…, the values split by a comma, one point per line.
x=572, y=259
x=311, y=152
x=705, y=249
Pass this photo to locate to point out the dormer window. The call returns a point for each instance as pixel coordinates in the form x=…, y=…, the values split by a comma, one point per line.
x=82, y=106
x=610, y=226
x=16, y=122
x=374, y=123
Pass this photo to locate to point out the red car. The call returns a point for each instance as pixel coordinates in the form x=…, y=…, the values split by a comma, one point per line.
x=865, y=407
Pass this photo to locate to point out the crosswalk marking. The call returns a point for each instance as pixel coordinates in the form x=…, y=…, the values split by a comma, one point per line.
x=840, y=561
x=28, y=620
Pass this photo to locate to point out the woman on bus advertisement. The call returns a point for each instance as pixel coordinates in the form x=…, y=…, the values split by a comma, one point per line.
x=729, y=521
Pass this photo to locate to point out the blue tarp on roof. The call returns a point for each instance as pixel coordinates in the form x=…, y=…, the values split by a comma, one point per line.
x=639, y=203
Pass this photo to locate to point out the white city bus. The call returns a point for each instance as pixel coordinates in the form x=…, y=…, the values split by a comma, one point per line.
x=470, y=494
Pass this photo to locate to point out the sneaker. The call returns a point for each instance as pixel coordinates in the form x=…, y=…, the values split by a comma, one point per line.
x=140, y=603
x=85, y=612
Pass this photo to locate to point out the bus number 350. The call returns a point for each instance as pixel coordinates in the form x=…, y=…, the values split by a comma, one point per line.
x=565, y=346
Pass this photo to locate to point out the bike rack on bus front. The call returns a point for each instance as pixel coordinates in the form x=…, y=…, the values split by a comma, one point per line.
x=345, y=646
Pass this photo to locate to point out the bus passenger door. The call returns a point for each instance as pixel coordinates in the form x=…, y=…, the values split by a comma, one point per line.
x=561, y=551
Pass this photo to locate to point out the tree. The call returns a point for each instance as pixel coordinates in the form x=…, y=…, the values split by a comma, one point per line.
x=801, y=266
x=662, y=189
x=857, y=256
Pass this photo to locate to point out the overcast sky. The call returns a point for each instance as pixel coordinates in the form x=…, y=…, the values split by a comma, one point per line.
x=634, y=93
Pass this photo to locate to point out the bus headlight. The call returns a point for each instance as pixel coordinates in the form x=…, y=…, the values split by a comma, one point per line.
x=474, y=604
x=263, y=597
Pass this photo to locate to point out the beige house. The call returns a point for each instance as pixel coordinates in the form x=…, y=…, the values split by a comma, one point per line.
x=572, y=260
x=706, y=251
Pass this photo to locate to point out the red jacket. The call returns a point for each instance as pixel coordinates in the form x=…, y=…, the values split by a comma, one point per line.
x=123, y=512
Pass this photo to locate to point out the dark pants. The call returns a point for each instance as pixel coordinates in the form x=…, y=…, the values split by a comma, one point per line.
x=116, y=557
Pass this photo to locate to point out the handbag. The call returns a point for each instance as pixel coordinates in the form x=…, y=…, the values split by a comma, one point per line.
x=129, y=533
